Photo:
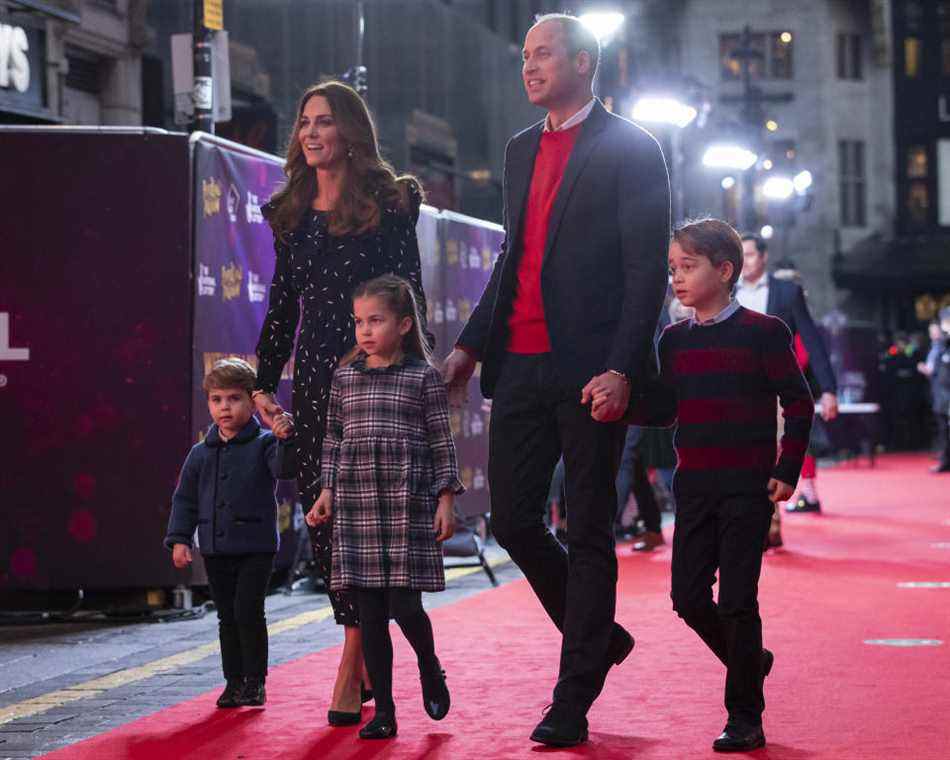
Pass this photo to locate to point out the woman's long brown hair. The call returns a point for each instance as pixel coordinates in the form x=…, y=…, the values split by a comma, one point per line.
x=398, y=297
x=370, y=183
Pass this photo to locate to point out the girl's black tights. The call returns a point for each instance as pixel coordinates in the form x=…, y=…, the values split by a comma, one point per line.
x=376, y=607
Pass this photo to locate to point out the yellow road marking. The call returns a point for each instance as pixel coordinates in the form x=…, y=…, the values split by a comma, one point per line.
x=98, y=686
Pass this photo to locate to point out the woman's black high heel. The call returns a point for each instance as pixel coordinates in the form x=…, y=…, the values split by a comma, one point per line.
x=339, y=718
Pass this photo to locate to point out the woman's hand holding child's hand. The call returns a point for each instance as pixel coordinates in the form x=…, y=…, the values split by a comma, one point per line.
x=444, y=523
x=322, y=509
x=283, y=426
x=181, y=555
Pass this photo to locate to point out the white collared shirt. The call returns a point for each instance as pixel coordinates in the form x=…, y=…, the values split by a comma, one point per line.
x=754, y=295
x=722, y=316
x=574, y=120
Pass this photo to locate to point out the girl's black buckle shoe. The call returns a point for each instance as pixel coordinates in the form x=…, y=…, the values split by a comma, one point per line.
x=435, y=692
x=382, y=726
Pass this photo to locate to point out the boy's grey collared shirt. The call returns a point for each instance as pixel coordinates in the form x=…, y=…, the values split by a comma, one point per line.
x=722, y=316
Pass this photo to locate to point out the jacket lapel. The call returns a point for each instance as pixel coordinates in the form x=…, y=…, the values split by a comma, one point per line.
x=770, y=299
x=586, y=142
x=520, y=168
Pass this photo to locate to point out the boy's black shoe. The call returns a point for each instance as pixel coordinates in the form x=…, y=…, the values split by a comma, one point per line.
x=229, y=697
x=620, y=646
x=739, y=739
x=366, y=695
x=561, y=727
x=435, y=692
x=253, y=693
x=382, y=726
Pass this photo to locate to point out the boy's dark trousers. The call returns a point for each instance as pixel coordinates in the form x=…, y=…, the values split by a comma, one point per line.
x=238, y=586
x=724, y=532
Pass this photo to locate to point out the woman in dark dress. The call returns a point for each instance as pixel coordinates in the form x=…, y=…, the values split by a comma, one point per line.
x=342, y=218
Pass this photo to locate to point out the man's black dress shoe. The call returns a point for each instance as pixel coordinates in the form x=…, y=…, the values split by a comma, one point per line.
x=253, y=693
x=561, y=727
x=382, y=726
x=803, y=505
x=229, y=697
x=738, y=739
x=339, y=718
x=435, y=692
x=942, y=467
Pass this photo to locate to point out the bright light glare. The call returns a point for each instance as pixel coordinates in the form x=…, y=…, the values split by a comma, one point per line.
x=771, y=125
x=729, y=157
x=802, y=181
x=603, y=25
x=665, y=110
x=778, y=188
x=786, y=37
x=728, y=183
x=767, y=231
x=767, y=164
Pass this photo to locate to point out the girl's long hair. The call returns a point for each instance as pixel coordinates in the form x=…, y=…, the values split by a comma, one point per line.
x=398, y=297
x=370, y=183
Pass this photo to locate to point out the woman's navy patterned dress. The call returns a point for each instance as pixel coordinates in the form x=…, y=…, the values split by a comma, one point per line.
x=319, y=272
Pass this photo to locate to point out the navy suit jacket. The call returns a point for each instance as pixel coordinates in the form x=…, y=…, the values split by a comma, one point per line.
x=604, y=269
x=787, y=302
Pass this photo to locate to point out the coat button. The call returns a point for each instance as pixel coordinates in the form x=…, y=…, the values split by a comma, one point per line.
x=220, y=534
x=224, y=476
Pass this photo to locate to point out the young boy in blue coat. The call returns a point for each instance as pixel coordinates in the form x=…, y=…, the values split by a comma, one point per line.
x=226, y=491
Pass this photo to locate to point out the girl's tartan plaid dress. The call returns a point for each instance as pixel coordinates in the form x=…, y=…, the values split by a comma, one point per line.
x=387, y=454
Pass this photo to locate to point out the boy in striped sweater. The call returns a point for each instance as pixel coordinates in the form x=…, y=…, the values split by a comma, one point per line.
x=720, y=374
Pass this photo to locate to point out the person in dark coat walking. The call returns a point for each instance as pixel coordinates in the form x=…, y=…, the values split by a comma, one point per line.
x=570, y=309
x=342, y=218
x=226, y=492
x=390, y=477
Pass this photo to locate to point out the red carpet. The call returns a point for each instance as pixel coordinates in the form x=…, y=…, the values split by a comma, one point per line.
x=829, y=696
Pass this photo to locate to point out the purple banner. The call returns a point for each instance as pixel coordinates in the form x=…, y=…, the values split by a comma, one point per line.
x=468, y=252
x=233, y=267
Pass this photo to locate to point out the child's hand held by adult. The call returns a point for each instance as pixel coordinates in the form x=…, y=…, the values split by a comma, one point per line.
x=181, y=555
x=283, y=426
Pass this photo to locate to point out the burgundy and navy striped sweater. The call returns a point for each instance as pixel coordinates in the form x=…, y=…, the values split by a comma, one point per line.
x=719, y=384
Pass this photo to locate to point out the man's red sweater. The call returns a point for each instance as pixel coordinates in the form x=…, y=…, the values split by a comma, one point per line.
x=528, y=329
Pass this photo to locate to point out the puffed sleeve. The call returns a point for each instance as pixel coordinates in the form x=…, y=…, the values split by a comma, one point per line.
x=439, y=433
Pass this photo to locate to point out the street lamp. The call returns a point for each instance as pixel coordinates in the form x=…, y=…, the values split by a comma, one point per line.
x=733, y=157
x=802, y=181
x=603, y=25
x=778, y=188
x=664, y=110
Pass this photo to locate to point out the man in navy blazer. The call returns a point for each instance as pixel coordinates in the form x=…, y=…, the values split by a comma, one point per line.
x=785, y=299
x=570, y=310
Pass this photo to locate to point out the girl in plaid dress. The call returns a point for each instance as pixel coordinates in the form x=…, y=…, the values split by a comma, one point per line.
x=389, y=478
